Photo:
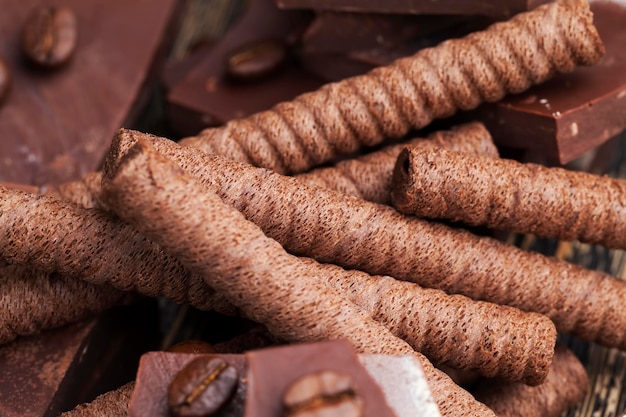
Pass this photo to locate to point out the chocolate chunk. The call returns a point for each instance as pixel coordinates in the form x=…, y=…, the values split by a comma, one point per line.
x=500, y=9
x=60, y=124
x=43, y=375
x=158, y=369
x=346, y=32
x=203, y=96
x=573, y=113
x=273, y=370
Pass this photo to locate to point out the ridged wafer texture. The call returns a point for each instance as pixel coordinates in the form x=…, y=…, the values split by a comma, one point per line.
x=565, y=387
x=52, y=235
x=110, y=404
x=32, y=301
x=335, y=228
x=250, y=269
x=369, y=176
x=507, y=195
x=458, y=74
x=454, y=330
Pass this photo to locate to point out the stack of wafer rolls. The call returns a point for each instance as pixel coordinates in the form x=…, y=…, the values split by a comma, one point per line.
x=361, y=235
x=252, y=271
x=215, y=223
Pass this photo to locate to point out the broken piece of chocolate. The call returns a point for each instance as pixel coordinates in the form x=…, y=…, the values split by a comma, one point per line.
x=500, y=9
x=383, y=382
x=60, y=124
x=573, y=113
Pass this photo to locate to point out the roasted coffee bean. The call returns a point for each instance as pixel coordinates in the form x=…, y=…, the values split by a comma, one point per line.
x=192, y=346
x=202, y=387
x=323, y=394
x=256, y=61
x=49, y=35
x=5, y=80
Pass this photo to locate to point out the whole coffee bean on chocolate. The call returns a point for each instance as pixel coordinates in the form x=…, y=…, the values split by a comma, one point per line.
x=256, y=60
x=49, y=35
x=5, y=80
x=326, y=393
x=202, y=387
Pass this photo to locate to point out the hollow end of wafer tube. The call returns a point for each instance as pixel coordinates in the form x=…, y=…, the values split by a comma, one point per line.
x=402, y=188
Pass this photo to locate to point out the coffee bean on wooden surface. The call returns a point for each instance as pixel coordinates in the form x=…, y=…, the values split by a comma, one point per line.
x=49, y=35
x=323, y=394
x=202, y=387
x=192, y=346
x=257, y=60
x=5, y=80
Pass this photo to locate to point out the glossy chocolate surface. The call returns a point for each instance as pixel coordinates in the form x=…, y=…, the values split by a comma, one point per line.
x=503, y=9
x=59, y=123
x=573, y=113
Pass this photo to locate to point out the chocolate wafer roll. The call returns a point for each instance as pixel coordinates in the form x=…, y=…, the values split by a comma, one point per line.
x=369, y=176
x=52, y=235
x=250, y=269
x=507, y=195
x=32, y=301
x=454, y=330
x=565, y=387
x=336, y=228
x=389, y=101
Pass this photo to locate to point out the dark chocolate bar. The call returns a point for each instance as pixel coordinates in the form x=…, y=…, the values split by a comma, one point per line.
x=573, y=113
x=45, y=374
x=56, y=124
x=205, y=97
x=499, y=9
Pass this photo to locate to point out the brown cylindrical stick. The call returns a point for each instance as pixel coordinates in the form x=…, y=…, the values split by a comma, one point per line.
x=566, y=385
x=248, y=268
x=454, y=330
x=505, y=194
x=56, y=236
x=110, y=404
x=389, y=101
x=369, y=176
x=31, y=301
x=336, y=228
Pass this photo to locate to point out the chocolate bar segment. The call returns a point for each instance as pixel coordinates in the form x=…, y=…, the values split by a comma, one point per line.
x=500, y=9
x=573, y=113
x=58, y=123
x=201, y=95
x=273, y=370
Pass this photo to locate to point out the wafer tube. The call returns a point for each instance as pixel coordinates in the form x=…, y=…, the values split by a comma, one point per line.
x=335, y=228
x=248, y=268
x=369, y=176
x=32, y=301
x=110, y=404
x=565, y=387
x=341, y=117
x=56, y=236
x=453, y=330
x=505, y=194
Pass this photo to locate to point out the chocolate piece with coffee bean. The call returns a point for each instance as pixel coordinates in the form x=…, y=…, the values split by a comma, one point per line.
x=49, y=35
x=314, y=376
